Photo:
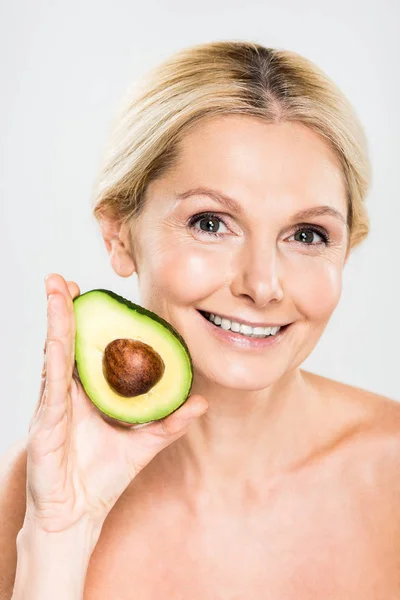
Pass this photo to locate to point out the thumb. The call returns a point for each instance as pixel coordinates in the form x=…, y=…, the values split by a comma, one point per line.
x=145, y=441
x=194, y=407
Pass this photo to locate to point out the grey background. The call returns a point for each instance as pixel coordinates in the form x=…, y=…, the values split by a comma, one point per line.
x=64, y=68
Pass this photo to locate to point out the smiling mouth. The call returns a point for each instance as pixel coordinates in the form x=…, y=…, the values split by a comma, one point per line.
x=206, y=316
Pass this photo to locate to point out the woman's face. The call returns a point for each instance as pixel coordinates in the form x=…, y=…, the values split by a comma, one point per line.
x=258, y=269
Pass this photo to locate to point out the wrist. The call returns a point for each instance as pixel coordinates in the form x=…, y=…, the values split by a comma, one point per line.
x=53, y=564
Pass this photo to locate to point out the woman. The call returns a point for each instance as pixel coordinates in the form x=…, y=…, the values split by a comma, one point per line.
x=234, y=188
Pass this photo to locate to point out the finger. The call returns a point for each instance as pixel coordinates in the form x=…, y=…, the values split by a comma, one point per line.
x=44, y=369
x=73, y=292
x=54, y=283
x=145, y=442
x=73, y=289
x=55, y=396
x=59, y=324
x=194, y=406
x=70, y=290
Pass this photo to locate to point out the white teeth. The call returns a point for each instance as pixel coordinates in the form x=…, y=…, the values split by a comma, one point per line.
x=246, y=329
x=225, y=324
x=241, y=328
x=259, y=330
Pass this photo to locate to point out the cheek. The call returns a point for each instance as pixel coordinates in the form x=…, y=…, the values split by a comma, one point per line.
x=316, y=291
x=187, y=275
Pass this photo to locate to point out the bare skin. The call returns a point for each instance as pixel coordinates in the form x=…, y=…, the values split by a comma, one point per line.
x=287, y=487
x=327, y=529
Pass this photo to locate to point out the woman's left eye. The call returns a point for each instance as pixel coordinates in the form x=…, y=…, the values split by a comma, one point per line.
x=307, y=231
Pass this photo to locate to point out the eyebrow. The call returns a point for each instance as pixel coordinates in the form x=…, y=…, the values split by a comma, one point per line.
x=234, y=206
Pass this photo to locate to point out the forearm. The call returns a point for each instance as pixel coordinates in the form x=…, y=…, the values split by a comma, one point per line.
x=53, y=565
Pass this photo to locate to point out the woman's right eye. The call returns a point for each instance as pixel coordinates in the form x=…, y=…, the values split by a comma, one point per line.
x=209, y=222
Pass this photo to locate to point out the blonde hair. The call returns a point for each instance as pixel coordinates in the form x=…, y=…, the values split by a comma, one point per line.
x=227, y=77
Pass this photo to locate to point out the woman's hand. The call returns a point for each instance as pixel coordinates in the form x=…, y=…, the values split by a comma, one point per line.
x=77, y=463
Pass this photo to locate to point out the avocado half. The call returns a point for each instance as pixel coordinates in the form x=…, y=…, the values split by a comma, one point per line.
x=133, y=364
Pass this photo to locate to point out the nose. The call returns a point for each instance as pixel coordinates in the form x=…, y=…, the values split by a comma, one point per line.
x=255, y=272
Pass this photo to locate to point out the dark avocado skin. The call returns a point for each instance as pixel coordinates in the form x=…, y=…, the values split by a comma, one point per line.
x=155, y=317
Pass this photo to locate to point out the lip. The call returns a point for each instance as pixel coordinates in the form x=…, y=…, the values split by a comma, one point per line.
x=242, y=342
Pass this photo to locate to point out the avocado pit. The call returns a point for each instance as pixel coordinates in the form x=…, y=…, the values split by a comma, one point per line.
x=131, y=367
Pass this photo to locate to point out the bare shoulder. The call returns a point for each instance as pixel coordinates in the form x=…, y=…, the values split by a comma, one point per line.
x=376, y=441
x=12, y=511
x=379, y=408
x=375, y=462
x=367, y=462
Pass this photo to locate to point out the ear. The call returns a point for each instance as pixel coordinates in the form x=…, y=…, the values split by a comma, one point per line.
x=117, y=241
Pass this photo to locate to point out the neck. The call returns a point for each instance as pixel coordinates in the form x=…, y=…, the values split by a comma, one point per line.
x=245, y=437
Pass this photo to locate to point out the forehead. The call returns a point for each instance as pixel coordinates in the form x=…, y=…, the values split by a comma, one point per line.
x=242, y=156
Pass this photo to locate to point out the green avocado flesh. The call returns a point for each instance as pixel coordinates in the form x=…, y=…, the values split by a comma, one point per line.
x=102, y=317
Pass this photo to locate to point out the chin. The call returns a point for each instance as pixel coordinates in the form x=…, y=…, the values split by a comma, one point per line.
x=246, y=381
